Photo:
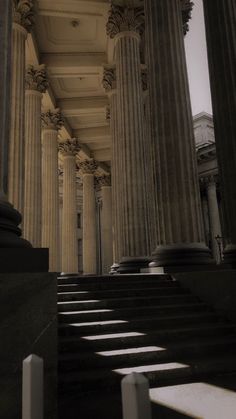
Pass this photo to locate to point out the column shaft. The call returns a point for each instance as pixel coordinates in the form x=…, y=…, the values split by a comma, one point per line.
x=214, y=217
x=106, y=229
x=16, y=145
x=220, y=18
x=33, y=168
x=89, y=225
x=50, y=198
x=69, y=217
x=181, y=238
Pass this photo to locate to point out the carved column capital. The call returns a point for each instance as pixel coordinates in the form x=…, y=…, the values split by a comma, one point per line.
x=208, y=181
x=186, y=7
x=69, y=147
x=109, y=79
x=123, y=19
x=88, y=167
x=52, y=119
x=36, y=78
x=104, y=180
x=23, y=13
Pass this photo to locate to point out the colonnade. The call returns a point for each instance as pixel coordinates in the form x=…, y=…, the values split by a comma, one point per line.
x=149, y=203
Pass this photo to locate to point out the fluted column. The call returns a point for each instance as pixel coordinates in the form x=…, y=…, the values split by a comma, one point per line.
x=36, y=84
x=23, y=20
x=181, y=237
x=69, y=150
x=125, y=25
x=88, y=168
x=109, y=84
x=214, y=216
x=106, y=223
x=52, y=122
x=220, y=18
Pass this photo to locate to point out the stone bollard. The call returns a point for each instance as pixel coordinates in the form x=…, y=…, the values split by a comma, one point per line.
x=135, y=397
x=32, y=388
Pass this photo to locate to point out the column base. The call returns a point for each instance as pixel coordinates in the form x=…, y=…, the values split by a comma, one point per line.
x=10, y=233
x=193, y=254
x=130, y=265
x=229, y=254
x=114, y=268
x=23, y=260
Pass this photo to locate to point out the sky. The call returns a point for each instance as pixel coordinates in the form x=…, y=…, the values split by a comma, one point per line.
x=195, y=45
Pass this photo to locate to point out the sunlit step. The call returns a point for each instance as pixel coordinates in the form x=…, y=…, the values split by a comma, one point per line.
x=101, y=323
x=113, y=336
x=102, y=310
x=78, y=301
x=151, y=368
x=73, y=293
x=129, y=351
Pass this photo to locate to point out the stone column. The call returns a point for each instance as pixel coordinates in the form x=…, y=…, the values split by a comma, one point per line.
x=10, y=218
x=52, y=122
x=125, y=25
x=36, y=84
x=214, y=217
x=106, y=223
x=220, y=18
x=88, y=168
x=23, y=20
x=109, y=84
x=69, y=150
x=181, y=237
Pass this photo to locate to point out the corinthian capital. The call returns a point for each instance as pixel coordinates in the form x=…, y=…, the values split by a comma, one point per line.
x=36, y=78
x=23, y=13
x=186, y=7
x=104, y=180
x=69, y=147
x=52, y=119
x=122, y=19
x=88, y=167
x=109, y=78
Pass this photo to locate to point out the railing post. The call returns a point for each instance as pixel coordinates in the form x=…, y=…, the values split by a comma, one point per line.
x=135, y=397
x=32, y=388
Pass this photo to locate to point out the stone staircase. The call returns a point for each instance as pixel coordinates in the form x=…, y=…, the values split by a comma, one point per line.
x=113, y=325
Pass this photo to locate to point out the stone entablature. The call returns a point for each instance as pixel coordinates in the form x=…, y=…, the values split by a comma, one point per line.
x=52, y=119
x=23, y=13
x=125, y=19
x=69, y=147
x=36, y=78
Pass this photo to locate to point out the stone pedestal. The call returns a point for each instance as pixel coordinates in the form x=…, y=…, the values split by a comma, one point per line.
x=180, y=230
x=69, y=149
x=220, y=17
x=22, y=24
x=214, y=217
x=88, y=168
x=36, y=84
x=125, y=25
x=106, y=224
x=52, y=122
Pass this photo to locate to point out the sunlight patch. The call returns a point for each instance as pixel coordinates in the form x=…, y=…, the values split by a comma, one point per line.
x=101, y=323
x=113, y=336
x=131, y=351
x=149, y=368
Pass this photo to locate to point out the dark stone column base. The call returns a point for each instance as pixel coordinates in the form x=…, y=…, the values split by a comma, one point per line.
x=133, y=264
x=114, y=268
x=182, y=255
x=230, y=255
x=24, y=260
x=10, y=233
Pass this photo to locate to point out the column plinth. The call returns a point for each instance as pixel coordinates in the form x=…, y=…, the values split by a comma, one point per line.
x=220, y=17
x=52, y=122
x=125, y=25
x=180, y=230
x=36, y=84
x=88, y=168
x=69, y=150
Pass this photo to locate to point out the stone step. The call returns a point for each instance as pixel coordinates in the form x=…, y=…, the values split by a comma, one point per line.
x=113, y=285
x=140, y=324
x=158, y=374
x=144, y=355
x=87, y=279
x=88, y=304
x=133, y=312
x=106, y=294
x=110, y=341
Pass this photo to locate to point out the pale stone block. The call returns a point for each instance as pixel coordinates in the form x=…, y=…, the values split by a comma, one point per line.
x=32, y=388
x=135, y=397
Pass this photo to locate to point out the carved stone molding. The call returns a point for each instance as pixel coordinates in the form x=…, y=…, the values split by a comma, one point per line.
x=52, y=119
x=122, y=19
x=109, y=78
x=36, y=78
x=88, y=167
x=104, y=180
x=23, y=13
x=108, y=113
x=187, y=7
x=69, y=147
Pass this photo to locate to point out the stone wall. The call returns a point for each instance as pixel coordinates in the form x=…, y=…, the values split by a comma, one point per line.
x=28, y=324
